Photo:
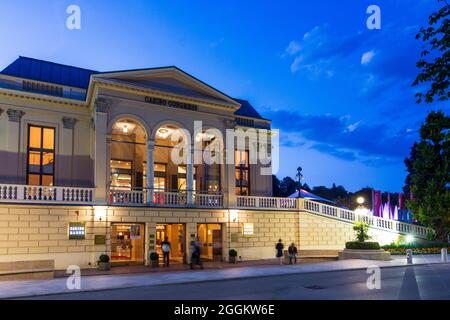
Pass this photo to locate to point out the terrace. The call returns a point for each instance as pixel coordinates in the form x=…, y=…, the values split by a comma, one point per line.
x=20, y=194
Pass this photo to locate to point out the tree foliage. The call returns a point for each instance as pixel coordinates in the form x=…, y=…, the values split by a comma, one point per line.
x=434, y=60
x=428, y=169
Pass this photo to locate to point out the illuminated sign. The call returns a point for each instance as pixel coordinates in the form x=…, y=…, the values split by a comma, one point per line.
x=77, y=231
x=248, y=229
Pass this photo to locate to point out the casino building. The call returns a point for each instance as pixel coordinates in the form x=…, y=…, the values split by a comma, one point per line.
x=86, y=168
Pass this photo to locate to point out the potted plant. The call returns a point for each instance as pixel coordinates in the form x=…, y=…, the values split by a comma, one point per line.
x=103, y=263
x=232, y=254
x=154, y=258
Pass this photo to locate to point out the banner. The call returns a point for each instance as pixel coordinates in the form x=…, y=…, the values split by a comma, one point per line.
x=400, y=200
x=376, y=202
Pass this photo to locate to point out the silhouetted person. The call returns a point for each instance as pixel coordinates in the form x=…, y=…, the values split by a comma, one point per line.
x=279, y=247
x=292, y=251
x=165, y=246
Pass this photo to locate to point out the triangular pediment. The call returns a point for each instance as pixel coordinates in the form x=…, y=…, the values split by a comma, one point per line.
x=169, y=80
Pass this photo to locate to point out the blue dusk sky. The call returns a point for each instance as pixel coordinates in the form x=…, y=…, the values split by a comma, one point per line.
x=340, y=93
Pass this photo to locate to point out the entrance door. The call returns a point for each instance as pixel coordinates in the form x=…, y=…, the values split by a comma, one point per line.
x=127, y=243
x=175, y=233
x=210, y=238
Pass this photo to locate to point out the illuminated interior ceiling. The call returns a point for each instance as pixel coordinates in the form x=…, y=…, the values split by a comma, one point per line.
x=128, y=127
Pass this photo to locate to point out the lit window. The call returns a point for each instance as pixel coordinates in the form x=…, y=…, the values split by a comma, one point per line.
x=41, y=156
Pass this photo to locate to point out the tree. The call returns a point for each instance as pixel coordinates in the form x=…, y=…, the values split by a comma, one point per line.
x=276, y=188
x=428, y=169
x=288, y=186
x=434, y=59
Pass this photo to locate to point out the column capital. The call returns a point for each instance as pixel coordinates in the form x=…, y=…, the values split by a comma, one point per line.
x=102, y=105
x=69, y=123
x=150, y=143
x=15, y=115
x=230, y=124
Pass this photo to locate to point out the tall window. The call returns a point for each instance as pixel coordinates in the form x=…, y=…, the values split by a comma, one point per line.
x=41, y=156
x=121, y=174
x=241, y=161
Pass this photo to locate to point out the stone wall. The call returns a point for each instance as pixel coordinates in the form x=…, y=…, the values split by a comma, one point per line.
x=323, y=233
x=41, y=232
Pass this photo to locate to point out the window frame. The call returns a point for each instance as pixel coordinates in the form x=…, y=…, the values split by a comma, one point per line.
x=241, y=168
x=41, y=151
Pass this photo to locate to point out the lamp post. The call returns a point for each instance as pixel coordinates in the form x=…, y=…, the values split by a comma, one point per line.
x=361, y=209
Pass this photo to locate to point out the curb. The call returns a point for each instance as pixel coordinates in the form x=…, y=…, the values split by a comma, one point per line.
x=207, y=280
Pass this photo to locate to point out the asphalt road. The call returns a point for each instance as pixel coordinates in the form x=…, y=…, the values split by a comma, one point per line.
x=418, y=282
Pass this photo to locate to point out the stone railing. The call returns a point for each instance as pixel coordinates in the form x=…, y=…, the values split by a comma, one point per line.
x=164, y=199
x=45, y=194
x=372, y=221
x=245, y=202
x=208, y=200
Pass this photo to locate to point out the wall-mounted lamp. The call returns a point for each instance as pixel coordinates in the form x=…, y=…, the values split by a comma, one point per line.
x=100, y=213
x=234, y=215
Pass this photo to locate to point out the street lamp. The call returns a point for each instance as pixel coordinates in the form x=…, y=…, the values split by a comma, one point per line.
x=361, y=209
x=360, y=200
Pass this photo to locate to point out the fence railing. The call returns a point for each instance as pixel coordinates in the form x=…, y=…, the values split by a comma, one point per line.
x=351, y=216
x=164, y=199
x=45, y=194
x=272, y=203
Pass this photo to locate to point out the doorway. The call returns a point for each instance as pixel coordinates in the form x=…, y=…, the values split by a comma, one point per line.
x=127, y=243
x=210, y=238
x=175, y=233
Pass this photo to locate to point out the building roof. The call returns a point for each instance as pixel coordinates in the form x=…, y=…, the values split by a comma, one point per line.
x=51, y=72
x=45, y=71
x=247, y=110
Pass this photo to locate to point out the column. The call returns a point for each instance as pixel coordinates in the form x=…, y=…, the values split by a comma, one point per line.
x=100, y=152
x=228, y=171
x=65, y=156
x=190, y=175
x=150, y=172
x=13, y=164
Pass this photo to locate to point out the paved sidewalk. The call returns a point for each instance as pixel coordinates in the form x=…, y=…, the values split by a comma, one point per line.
x=17, y=289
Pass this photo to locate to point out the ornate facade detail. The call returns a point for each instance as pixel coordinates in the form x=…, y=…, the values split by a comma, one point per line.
x=15, y=115
x=69, y=123
x=102, y=105
x=230, y=124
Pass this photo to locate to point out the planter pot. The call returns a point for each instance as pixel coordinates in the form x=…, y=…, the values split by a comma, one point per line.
x=364, y=254
x=155, y=263
x=232, y=259
x=104, y=266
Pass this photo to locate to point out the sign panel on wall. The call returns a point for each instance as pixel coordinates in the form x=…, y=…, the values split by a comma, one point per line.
x=77, y=231
x=248, y=229
x=135, y=232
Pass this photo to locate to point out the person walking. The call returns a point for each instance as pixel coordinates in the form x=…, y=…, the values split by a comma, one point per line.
x=292, y=251
x=195, y=257
x=279, y=247
x=165, y=246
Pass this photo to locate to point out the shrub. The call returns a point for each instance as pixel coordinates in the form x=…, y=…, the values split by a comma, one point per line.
x=232, y=253
x=103, y=258
x=154, y=256
x=358, y=245
x=361, y=229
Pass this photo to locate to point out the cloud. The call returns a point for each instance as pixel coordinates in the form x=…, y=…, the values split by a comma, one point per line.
x=317, y=52
x=340, y=137
x=293, y=48
x=367, y=57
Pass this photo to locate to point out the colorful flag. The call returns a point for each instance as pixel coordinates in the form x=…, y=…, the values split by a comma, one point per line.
x=376, y=203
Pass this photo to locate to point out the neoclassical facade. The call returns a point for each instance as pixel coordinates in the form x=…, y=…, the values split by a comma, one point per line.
x=88, y=167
